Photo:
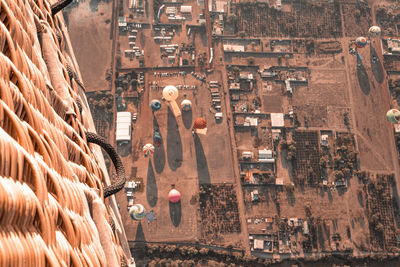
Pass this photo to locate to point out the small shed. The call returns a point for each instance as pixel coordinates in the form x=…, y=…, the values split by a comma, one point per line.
x=218, y=116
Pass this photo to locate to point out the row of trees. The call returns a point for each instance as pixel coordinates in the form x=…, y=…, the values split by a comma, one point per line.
x=163, y=255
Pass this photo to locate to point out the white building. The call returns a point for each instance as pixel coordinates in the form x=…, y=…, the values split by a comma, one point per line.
x=277, y=120
x=265, y=156
x=186, y=9
x=123, y=132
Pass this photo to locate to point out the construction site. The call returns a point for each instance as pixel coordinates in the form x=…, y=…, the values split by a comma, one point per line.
x=274, y=132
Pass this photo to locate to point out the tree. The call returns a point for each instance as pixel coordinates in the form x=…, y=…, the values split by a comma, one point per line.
x=251, y=61
x=242, y=34
x=119, y=90
x=232, y=19
x=339, y=174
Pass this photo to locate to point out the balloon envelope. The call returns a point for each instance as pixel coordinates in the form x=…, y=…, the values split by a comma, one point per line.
x=137, y=212
x=186, y=105
x=200, y=123
x=393, y=115
x=174, y=196
x=374, y=31
x=155, y=105
x=170, y=93
x=157, y=138
x=148, y=149
x=361, y=42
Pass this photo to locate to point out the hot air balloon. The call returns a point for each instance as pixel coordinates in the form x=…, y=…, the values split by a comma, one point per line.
x=186, y=105
x=361, y=42
x=374, y=31
x=170, y=93
x=137, y=212
x=200, y=123
x=200, y=126
x=174, y=196
x=148, y=149
x=393, y=116
x=155, y=105
x=157, y=138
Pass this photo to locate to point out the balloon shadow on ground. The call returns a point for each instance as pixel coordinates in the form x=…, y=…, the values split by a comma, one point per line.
x=201, y=160
x=174, y=143
x=151, y=187
x=175, y=212
x=159, y=151
x=362, y=76
x=139, y=233
x=187, y=118
x=376, y=65
x=140, y=238
x=124, y=150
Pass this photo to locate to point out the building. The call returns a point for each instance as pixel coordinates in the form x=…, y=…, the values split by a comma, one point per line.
x=122, y=22
x=123, y=131
x=246, y=76
x=277, y=120
x=247, y=155
x=233, y=48
x=234, y=86
x=324, y=139
x=218, y=116
x=265, y=156
x=250, y=122
x=254, y=195
x=186, y=10
x=393, y=45
x=258, y=244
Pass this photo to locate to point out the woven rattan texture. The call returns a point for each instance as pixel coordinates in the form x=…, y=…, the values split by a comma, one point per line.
x=49, y=176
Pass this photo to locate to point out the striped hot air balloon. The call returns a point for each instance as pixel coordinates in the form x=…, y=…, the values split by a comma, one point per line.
x=186, y=105
x=393, y=116
x=157, y=138
x=137, y=212
x=174, y=196
x=374, y=31
x=361, y=42
x=148, y=149
x=170, y=93
x=155, y=105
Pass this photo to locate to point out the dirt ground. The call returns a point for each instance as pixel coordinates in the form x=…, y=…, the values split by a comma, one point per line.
x=92, y=44
x=182, y=160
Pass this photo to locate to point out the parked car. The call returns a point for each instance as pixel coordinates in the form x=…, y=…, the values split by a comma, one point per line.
x=134, y=117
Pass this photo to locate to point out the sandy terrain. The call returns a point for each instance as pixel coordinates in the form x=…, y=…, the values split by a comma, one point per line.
x=92, y=44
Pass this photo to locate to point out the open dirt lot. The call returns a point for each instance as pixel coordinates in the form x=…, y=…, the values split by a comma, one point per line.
x=182, y=160
x=90, y=37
